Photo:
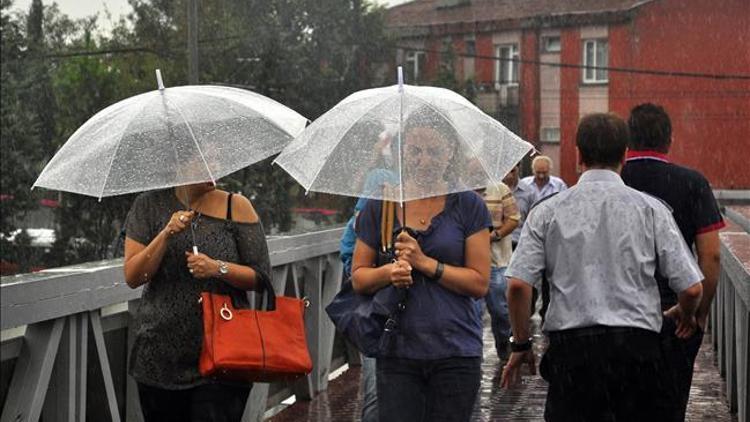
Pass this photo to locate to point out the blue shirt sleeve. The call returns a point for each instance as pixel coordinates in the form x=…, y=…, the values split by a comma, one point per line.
x=367, y=226
x=475, y=214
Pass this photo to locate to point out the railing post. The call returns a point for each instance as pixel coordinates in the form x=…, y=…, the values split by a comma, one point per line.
x=31, y=377
x=66, y=398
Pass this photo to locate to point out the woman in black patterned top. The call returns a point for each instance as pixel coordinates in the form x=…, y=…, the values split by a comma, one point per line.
x=232, y=258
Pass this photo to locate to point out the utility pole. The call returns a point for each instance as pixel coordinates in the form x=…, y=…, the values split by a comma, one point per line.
x=192, y=41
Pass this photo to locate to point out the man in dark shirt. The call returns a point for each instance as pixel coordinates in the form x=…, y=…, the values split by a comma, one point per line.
x=689, y=195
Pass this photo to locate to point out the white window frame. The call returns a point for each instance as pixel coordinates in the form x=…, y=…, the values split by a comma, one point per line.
x=546, y=131
x=546, y=45
x=514, y=68
x=411, y=60
x=595, y=76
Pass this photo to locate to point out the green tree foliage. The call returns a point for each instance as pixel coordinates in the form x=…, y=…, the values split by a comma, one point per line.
x=307, y=54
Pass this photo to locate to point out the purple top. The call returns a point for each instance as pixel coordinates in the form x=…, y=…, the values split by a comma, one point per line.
x=437, y=323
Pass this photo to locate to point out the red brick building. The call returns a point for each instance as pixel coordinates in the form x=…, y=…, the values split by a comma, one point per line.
x=642, y=43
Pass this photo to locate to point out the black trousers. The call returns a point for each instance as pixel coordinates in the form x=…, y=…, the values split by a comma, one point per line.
x=606, y=374
x=680, y=358
x=411, y=390
x=204, y=403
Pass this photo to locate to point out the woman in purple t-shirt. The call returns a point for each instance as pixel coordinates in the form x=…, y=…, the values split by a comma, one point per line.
x=432, y=369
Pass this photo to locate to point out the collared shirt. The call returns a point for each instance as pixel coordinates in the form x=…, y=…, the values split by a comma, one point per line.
x=502, y=207
x=685, y=190
x=524, y=196
x=599, y=243
x=554, y=185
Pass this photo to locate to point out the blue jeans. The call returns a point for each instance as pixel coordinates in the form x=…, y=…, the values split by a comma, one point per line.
x=369, y=390
x=412, y=390
x=497, y=306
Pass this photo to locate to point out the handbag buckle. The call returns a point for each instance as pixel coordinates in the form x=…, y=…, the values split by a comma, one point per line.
x=390, y=325
x=306, y=302
x=226, y=313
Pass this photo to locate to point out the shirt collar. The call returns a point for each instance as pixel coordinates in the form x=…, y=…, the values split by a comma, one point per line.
x=646, y=155
x=600, y=175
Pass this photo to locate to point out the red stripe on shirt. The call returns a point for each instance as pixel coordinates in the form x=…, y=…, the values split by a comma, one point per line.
x=716, y=226
x=646, y=154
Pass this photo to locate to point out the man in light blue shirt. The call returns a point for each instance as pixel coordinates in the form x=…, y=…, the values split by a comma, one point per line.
x=600, y=245
x=542, y=184
x=524, y=197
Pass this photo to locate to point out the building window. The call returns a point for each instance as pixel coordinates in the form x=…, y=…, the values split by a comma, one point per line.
x=595, y=53
x=506, y=68
x=551, y=135
x=551, y=44
x=415, y=66
x=471, y=48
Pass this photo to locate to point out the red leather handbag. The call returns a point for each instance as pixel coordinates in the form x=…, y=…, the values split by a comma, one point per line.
x=254, y=345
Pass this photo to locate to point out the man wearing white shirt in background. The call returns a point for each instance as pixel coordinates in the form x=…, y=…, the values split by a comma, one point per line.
x=542, y=183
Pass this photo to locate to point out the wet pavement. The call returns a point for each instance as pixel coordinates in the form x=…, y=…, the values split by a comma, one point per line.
x=525, y=403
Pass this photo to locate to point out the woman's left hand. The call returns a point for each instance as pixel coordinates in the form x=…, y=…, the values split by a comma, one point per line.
x=407, y=249
x=201, y=265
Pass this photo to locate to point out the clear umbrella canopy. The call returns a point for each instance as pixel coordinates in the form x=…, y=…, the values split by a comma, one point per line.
x=170, y=137
x=401, y=143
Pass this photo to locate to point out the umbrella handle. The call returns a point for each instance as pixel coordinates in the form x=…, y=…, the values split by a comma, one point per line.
x=195, y=250
x=400, y=73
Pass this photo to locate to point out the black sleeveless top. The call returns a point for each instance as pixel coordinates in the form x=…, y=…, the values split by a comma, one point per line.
x=168, y=323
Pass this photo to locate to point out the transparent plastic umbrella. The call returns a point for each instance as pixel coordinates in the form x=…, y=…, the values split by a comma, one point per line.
x=401, y=143
x=170, y=137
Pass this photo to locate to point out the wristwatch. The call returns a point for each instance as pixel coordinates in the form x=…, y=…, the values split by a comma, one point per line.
x=223, y=268
x=516, y=346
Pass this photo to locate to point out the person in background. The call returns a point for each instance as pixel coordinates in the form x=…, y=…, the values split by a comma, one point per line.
x=505, y=217
x=694, y=207
x=543, y=184
x=600, y=244
x=377, y=180
x=524, y=197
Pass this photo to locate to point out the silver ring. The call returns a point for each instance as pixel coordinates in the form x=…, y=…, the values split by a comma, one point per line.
x=191, y=270
x=182, y=219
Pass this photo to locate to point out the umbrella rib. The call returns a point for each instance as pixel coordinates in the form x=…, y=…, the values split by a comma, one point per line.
x=354, y=121
x=473, y=151
x=195, y=140
x=117, y=148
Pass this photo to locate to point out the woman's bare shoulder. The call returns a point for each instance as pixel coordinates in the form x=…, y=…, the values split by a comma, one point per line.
x=243, y=210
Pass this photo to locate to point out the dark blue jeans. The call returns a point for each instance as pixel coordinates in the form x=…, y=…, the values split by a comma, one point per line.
x=413, y=390
x=497, y=306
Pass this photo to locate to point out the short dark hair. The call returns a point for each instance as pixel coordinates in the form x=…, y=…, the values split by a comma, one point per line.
x=602, y=139
x=650, y=128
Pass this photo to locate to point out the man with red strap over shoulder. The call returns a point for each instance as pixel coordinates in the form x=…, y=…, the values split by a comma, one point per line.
x=694, y=208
